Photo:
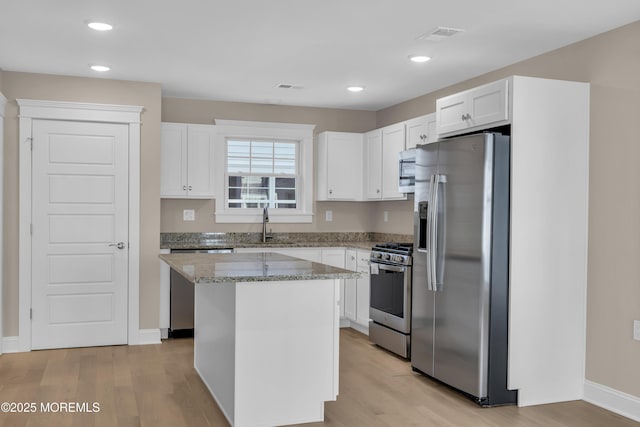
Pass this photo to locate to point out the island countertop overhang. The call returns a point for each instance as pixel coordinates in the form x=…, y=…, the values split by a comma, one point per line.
x=250, y=267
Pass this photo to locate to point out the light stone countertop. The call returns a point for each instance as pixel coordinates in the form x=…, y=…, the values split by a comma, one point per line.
x=213, y=240
x=250, y=267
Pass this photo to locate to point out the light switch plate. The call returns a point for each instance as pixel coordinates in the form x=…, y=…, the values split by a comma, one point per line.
x=386, y=216
x=328, y=216
x=636, y=330
x=188, y=215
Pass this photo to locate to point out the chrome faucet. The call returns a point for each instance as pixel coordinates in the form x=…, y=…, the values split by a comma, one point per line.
x=265, y=220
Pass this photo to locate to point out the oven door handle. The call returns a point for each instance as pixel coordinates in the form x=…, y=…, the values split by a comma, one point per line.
x=396, y=268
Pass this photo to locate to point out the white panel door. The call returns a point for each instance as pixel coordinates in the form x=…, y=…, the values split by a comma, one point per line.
x=80, y=214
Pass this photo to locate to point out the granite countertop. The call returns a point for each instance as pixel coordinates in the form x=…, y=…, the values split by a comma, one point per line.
x=252, y=267
x=357, y=240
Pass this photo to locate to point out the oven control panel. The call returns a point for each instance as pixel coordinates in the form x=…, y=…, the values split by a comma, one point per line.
x=382, y=256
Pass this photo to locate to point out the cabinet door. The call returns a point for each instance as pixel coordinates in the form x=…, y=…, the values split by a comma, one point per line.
x=416, y=130
x=373, y=161
x=173, y=160
x=200, y=160
x=350, y=285
x=473, y=109
x=451, y=113
x=333, y=257
x=488, y=103
x=339, y=166
x=392, y=144
x=432, y=133
x=362, y=289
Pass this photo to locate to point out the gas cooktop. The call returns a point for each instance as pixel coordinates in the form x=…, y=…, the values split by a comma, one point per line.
x=392, y=253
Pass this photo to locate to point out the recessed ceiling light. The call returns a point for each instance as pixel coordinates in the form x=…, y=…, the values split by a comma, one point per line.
x=100, y=26
x=100, y=68
x=419, y=58
x=355, y=88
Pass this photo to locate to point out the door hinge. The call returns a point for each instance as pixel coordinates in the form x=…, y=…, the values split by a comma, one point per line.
x=31, y=313
x=31, y=142
x=31, y=229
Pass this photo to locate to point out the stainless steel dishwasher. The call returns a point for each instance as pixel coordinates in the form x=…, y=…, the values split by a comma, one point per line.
x=182, y=297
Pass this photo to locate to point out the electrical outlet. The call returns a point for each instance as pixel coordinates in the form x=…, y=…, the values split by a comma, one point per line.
x=328, y=216
x=188, y=215
x=386, y=216
x=636, y=330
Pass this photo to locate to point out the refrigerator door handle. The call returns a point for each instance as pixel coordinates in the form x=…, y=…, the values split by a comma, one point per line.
x=428, y=231
x=438, y=255
x=433, y=237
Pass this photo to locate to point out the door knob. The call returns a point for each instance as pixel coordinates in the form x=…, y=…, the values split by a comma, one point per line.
x=119, y=245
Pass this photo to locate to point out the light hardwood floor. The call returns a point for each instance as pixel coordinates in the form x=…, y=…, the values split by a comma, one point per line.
x=155, y=385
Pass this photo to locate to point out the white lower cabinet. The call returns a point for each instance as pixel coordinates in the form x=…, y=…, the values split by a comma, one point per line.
x=356, y=291
x=335, y=257
x=350, y=286
x=363, y=290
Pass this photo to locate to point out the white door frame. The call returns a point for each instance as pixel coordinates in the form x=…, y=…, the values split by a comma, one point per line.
x=3, y=103
x=80, y=112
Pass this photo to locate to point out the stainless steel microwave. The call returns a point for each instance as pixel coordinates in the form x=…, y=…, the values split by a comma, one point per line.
x=407, y=171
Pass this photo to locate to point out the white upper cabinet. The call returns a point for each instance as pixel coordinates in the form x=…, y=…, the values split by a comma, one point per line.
x=187, y=160
x=382, y=147
x=421, y=130
x=393, y=142
x=474, y=109
x=373, y=164
x=339, y=166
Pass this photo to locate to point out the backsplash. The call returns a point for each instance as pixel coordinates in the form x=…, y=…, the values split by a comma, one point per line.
x=174, y=240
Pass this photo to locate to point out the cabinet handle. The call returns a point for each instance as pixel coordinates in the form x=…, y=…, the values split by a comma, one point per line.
x=378, y=191
x=330, y=191
x=466, y=116
x=184, y=187
x=190, y=188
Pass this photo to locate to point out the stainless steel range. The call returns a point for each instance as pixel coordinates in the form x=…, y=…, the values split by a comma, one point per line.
x=390, y=308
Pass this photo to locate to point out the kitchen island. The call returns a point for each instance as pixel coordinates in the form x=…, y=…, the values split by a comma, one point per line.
x=265, y=334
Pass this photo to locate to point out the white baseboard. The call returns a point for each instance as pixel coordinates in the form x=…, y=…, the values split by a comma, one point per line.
x=147, y=336
x=613, y=400
x=10, y=345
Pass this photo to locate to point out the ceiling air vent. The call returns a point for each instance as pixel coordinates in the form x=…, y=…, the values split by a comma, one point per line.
x=440, y=33
x=288, y=86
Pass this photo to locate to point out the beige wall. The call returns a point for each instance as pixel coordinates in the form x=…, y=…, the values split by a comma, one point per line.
x=611, y=64
x=347, y=216
x=59, y=88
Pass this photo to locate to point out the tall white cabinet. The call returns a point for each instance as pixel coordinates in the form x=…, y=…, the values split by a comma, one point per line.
x=548, y=226
x=187, y=159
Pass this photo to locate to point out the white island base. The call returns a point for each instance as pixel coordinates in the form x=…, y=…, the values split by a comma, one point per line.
x=268, y=350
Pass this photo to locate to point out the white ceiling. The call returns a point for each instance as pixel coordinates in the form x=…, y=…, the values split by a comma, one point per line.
x=239, y=50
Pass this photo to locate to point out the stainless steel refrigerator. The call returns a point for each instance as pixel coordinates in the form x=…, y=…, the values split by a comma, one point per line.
x=459, y=326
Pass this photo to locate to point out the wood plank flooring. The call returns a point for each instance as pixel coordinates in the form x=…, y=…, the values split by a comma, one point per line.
x=156, y=385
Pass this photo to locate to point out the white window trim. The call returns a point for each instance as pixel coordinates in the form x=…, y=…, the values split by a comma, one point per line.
x=266, y=130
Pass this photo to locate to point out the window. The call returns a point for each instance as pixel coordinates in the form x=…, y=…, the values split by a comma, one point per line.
x=261, y=173
x=263, y=164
